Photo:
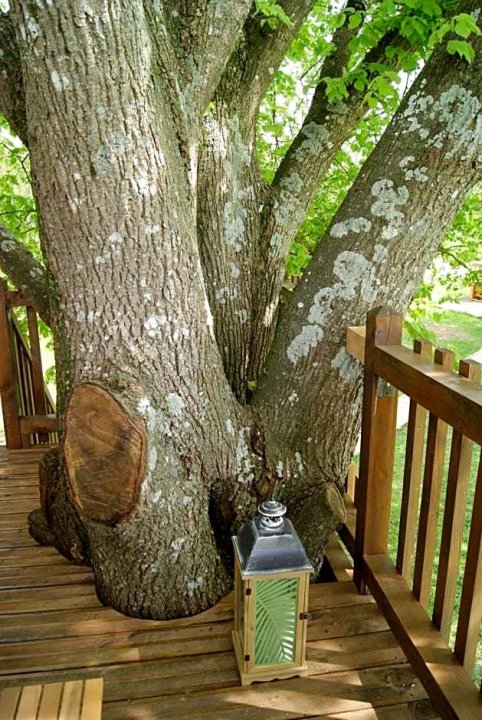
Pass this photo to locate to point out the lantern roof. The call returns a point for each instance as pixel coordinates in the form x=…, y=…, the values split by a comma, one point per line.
x=269, y=544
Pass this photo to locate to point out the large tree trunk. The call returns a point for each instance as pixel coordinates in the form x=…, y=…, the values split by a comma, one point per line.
x=165, y=274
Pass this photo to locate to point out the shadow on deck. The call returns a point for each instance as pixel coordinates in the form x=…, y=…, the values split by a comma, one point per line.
x=53, y=628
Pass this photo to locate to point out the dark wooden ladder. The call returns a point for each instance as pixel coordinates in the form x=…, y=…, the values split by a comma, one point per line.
x=27, y=406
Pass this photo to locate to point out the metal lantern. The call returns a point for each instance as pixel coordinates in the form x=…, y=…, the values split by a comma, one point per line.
x=271, y=597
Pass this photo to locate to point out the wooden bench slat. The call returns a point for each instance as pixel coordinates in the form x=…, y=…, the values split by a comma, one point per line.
x=71, y=700
x=50, y=702
x=29, y=702
x=9, y=702
x=92, y=699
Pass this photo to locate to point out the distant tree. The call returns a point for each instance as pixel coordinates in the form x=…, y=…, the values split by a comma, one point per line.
x=185, y=396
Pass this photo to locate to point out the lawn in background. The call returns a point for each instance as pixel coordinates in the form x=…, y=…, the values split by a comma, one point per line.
x=458, y=331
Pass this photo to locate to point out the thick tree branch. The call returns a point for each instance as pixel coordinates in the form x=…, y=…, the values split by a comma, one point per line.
x=325, y=129
x=230, y=189
x=25, y=272
x=12, y=97
x=208, y=31
x=259, y=54
x=375, y=252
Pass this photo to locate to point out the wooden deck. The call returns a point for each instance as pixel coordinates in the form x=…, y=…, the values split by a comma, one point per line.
x=53, y=628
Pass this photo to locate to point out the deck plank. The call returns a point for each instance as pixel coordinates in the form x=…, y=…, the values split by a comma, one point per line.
x=53, y=629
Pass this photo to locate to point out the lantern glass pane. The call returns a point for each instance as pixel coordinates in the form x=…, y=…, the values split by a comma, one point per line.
x=276, y=621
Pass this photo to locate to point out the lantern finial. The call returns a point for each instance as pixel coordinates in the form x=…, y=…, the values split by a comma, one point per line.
x=271, y=512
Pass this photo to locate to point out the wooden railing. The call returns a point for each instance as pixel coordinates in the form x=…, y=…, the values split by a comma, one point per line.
x=27, y=407
x=439, y=399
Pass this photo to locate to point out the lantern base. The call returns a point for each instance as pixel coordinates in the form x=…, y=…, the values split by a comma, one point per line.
x=266, y=673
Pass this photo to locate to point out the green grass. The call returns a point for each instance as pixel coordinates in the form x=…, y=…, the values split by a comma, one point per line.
x=459, y=331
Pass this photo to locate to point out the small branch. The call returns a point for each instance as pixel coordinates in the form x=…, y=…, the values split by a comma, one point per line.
x=25, y=272
x=12, y=96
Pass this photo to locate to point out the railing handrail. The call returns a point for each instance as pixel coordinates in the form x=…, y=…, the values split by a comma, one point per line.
x=446, y=399
x=438, y=390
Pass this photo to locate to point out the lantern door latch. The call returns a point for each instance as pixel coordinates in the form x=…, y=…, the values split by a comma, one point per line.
x=305, y=616
x=248, y=591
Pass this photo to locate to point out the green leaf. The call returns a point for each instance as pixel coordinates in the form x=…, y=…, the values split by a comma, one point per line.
x=464, y=25
x=462, y=48
x=335, y=89
x=355, y=20
x=273, y=13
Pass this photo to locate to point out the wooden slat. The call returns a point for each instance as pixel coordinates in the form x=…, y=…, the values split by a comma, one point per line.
x=29, y=702
x=377, y=445
x=454, y=515
x=412, y=477
x=446, y=681
x=454, y=400
x=38, y=423
x=9, y=698
x=50, y=701
x=470, y=615
x=355, y=342
x=92, y=699
x=71, y=700
x=431, y=492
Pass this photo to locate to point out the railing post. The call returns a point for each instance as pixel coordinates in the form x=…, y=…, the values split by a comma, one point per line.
x=377, y=446
x=8, y=389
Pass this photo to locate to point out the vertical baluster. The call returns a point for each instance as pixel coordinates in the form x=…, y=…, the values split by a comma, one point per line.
x=470, y=615
x=454, y=514
x=431, y=491
x=377, y=446
x=7, y=378
x=412, y=476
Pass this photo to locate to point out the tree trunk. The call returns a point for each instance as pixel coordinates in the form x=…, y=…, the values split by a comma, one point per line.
x=163, y=282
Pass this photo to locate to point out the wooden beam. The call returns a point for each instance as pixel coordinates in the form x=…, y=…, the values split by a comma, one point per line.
x=355, y=342
x=455, y=400
x=38, y=424
x=445, y=680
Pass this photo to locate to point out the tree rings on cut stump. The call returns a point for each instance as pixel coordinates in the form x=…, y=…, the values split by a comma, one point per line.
x=104, y=453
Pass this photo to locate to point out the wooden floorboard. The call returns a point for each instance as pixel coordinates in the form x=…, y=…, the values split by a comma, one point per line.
x=54, y=629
